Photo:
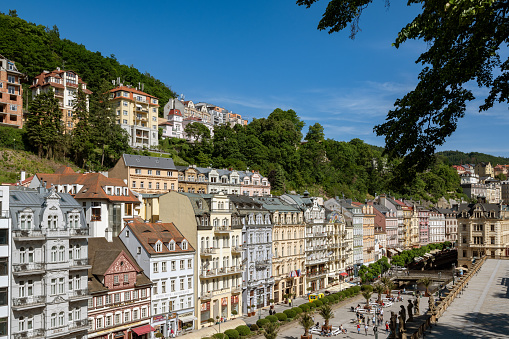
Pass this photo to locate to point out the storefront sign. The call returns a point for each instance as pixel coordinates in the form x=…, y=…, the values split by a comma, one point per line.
x=224, y=301
x=158, y=318
x=205, y=306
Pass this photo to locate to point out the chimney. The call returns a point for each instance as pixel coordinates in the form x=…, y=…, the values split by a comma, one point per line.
x=108, y=234
x=23, y=176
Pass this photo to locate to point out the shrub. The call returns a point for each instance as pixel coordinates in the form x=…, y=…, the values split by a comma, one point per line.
x=297, y=310
x=281, y=316
x=243, y=330
x=289, y=313
x=367, y=288
x=312, y=304
x=356, y=289
x=232, y=334
x=330, y=299
x=271, y=318
x=336, y=296
x=261, y=322
x=254, y=327
x=220, y=336
x=304, y=307
x=318, y=303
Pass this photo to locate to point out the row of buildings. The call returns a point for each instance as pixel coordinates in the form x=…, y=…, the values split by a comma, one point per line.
x=87, y=255
x=136, y=111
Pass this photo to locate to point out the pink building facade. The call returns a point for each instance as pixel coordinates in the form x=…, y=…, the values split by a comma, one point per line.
x=253, y=184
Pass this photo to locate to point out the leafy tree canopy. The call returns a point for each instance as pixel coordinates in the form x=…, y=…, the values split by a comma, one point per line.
x=465, y=40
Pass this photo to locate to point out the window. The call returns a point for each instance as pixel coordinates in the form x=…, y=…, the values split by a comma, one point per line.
x=124, y=121
x=117, y=318
x=117, y=298
x=108, y=321
x=165, y=186
x=127, y=317
x=142, y=184
x=137, y=171
x=159, y=247
x=127, y=296
x=3, y=326
x=163, y=286
x=125, y=103
x=189, y=263
x=155, y=267
x=108, y=299
x=184, y=245
x=154, y=289
x=181, y=264
x=125, y=112
x=61, y=254
x=135, y=315
x=157, y=185
x=189, y=283
x=54, y=321
x=115, y=280
x=61, y=287
x=150, y=184
x=181, y=284
x=163, y=266
x=3, y=296
x=172, y=246
x=134, y=184
x=53, y=286
x=138, y=250
x=149, y=172
x=173, y=266
x=173, y=285
x=144, y=312
x=126, y=278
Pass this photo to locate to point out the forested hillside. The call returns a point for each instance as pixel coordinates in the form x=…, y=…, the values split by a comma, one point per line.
x=36, y=48
x=458, y=158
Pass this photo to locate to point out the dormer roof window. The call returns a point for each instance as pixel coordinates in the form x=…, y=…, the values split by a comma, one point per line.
x=171, y=245
x=159, y=246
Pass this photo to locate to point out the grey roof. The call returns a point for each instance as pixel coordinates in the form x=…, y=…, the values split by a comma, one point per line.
x=148, y=162
x=276, y=204
x=381, y=208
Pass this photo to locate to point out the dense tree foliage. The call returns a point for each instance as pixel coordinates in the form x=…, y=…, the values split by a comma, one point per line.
x=459, y=158
x=36, y=48
x=466, y=42
x=406, y=257
x=273, y=146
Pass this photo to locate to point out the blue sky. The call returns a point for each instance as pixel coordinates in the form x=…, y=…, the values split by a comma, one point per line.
x=254, y=56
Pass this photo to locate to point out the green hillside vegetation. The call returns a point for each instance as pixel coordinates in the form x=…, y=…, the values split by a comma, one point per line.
x=459, y=158
x=36, y=48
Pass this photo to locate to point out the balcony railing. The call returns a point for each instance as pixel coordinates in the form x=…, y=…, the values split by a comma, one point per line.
x=27, y=234
x=221, y=271
x=207, y=251
x=222, y=229
x=79, y=263
x=29, y=268
x=237, y=249
x=78, y=294
x=39, y=333
x=261, y=263
x=79, y=324
x=28, y=302
x=4, y=214
x=57, y=232
x=79, y=232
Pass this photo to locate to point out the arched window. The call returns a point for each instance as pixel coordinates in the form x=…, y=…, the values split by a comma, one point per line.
x=54, y=254
x=202, y=242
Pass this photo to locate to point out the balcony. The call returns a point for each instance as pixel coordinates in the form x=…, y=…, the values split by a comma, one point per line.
x=28, y=269
x=79, y=325
x=317, y=261
x=208, y=252
x=79, y=232
x=19, y=304
x=4, y=214
x=262, y=263
x=217, y=272
x=237, y=249
x=56, y=233
x=80, y=264
x=39, y=333
x=79, y=295
x=25, y=235
x=222, y=229
x=316, y=274
x=206, y=295
x=237, y=289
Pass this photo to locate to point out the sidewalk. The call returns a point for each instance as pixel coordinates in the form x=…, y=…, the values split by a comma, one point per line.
x=279, y=308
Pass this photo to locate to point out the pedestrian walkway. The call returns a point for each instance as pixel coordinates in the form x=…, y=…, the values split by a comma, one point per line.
x=482, y=310
x=279, y=308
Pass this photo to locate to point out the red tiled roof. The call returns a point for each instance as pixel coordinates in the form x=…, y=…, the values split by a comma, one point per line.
x=148, y=233
x=93, y=184
x=57, y=74
x=174, y=111
x=132, y=90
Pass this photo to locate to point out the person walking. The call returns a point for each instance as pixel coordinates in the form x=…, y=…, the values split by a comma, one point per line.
x=366, y=329
x=359, y=328
x=386, y=327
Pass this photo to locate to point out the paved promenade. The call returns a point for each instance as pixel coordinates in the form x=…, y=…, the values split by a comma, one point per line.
x=482, y=311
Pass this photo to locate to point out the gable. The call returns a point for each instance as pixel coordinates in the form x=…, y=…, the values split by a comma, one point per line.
x=122, y=264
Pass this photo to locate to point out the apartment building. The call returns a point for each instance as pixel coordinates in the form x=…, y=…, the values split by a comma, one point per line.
x=393, y=206
x=288, y=245
x=11, y=94
x=173, y=127
x=145, y=174
x=221, y=180
x=49, y=265
x=191, y=180
x=354, y=213
x=451, y=224
x=339, y=243
x=257, y=280
x=120, y=303
x=213, y=227
x=5, y=267
x=105, y=201
x=317, y=259
x=368, y=233
x=423, y=214
x=484, y=169
x=167, y=258
x=254, y=184
x=483, y=229
x=136, y=113
x=436, y=226
x=65, y=86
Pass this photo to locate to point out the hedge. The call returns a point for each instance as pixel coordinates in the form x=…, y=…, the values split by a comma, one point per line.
x=297, y=310
x=261, y=322
x=232, y=334
x=271, y=318
x=243, y=330
x=281, y=316
x=312, y=304
x=304, y=307
x=220, y=336
x=254, y=327
x=318, y=303
x=336, y=296
x=289, y=313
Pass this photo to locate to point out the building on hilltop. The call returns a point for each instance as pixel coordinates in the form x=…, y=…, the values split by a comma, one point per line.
x=11, y=94
x=136, y=113
x=49, y=256
x=167, y=258
x=484, y=169
x=65, y=87
x=121, y=293
x=105, y=201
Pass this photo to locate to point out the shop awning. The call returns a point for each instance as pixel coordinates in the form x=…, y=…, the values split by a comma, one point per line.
x=344, y=274
x=187, y=318
x=143, y=329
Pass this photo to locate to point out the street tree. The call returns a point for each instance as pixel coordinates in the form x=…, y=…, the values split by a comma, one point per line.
x=466, y=43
